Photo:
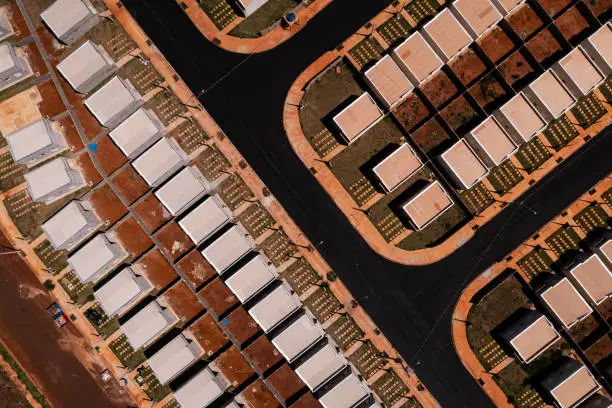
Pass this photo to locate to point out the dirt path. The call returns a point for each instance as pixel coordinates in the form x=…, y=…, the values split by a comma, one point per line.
x=43, y=351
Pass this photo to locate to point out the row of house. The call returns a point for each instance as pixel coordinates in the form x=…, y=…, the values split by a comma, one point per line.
x=468, y=161
x=187, y=195
x=587, y=283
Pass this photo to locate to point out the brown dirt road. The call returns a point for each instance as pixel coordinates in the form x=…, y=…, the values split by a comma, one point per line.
x=45, y=352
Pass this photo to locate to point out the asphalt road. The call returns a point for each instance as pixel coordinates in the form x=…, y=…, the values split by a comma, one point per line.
x=412, y=305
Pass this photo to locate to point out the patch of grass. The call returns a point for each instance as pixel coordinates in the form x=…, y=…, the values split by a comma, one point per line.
x=588, y=110
x=345, y=332
x=265, y=16
x=301, y=276
x=322, y=303
x=23, y=377
x=606, y=88
x=504, y=177
x=560, y=132
x=484, y=346
x=394, y=28
x=212, y=163
x=563, y=240
x=234, y=191
x=366, y=52
x=390, y=387
x=422, y=10
x=324, y=95
x=592, y=218
x=78, y=292
x=54, y=260
x=367, y=360
x=11, y=173
x=126, y=353
x=436, y=231
x=532, y=155
x=219, y=11
x=189, y=136
x=166, y=106
x=256, y=219
x=477, y=198
x=104, y=325
x=535, y=262
x=147, y=380
x=112, y=37
x=278, y=248
x=143, y=77
x=348, y=165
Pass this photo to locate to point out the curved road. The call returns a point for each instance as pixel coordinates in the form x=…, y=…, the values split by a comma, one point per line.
x=412, y=306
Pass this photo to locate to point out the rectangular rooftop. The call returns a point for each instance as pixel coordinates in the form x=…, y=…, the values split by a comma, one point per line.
x=113, y=102
x=416, y=58
x=348, y=393
x=565, y=302
x=96, y=258
x=520, y=119
x=446, y=35
x=578, y=72
x=86, y=67
x=159, y=162
x=594, y=277
x=228, y=249
x=321, y=367
x=477, y=16
x=53, y=180
x=549, y=96
x=70, y=226
x=174, y=358
x=182, y=190
x=532, y=335
x=388, y=81
x=251, y=278
x=204, y=220
x=464, y=165
x=599, y=48
x=358, y=117
x=201, y=390
x=69, y=20
x=491, y=142
x=298, y=337
x=35, y=142
x=122, y=291
x=137, y=133
x=427, y=205
x=270, y=311
x=570, y=384
x=148, y=324
x=397, y=167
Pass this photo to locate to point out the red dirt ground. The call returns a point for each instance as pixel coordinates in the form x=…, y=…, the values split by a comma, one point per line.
x=90, y=124
x=458, y=113
x=487, y=91
x=439, y=89
x=263, y=354
x=241, y=325
x=152, y=212
x=258, y=395
x=411, y=112
x=51, y=104
x=183, y=302
x=106, y=204
x=18, y=23
x=598, y=7
x=157, y=270
x=108, y=155
x=129, y=184
x=88, y=170
x=218, y=297
x=132, y=238
x=208, y=335
x=36, y=62
x=605, y=309
x=70, y=134
x=234, y=367
x=600, y=350
x=468, y=67
x=430, y=135
x=515, y=68
x=524, y=21
x=571, y=23
x=496, y=44
x=196, y=268
x=45, y=352
x=553, y=7
x=173, y=240
x=543, y=45
x=307, y=401
x=286, y=382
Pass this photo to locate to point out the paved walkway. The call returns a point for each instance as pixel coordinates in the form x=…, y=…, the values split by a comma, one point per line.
x=463, y=306
x=266, y=42
x=359, y=218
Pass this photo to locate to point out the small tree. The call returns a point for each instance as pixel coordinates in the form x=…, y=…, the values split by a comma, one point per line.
x=48, y=285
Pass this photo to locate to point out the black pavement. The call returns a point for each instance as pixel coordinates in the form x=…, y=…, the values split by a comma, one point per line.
x=411, y=305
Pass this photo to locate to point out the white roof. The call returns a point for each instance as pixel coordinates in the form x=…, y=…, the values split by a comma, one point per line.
x=63, y=15
x=602, y=42
x=274, y=308
x=480, y=15
x=346, y=394
x=146, y=325
x=552, y=93
x=92, y=258
x=49, y=177
x=417, y=57
x=251, y=278
x=298, y=337
x=67, y=223
x=120, y=291
x=136, y=132
x=388, y=80
x=228, y=249
x=6, y=58
x=82, y=64
x=181, y=190
x=156, y=164
x=522, y=116
x=173, y=358
x=200, y=391
x=204, y=220
x=493, y=141
x=447, y=33
x=581, y=70
x=110, y=100
x=30, y=139
x=321, y=367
